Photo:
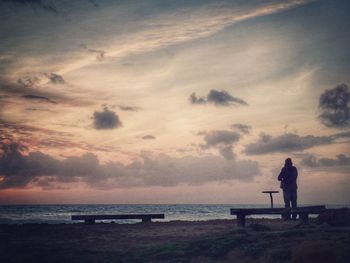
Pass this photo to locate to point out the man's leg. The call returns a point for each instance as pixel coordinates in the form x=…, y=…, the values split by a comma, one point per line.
x=287, y=199
x=294, y=198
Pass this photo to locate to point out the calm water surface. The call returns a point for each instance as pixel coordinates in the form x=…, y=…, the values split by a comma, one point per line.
x=54, y=214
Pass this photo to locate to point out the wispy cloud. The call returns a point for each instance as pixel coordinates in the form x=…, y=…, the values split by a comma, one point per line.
x=243, y=128
x=31, y=87
x=38, y=98
x=182, y=26
x=100, y=54
x=37, y=138
x=148, y=137
x=48, y=6
x=55, y=78
x=128, y=108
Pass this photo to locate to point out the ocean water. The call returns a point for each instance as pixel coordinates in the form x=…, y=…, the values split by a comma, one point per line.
x=56, y=214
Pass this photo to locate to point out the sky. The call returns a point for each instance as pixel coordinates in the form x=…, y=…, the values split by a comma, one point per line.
x=162, y=101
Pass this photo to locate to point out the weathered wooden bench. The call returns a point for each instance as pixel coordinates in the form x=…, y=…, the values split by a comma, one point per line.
x=90, y=219
x=303, y=212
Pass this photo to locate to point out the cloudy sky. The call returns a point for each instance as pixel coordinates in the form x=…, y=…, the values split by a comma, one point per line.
x=164, y=101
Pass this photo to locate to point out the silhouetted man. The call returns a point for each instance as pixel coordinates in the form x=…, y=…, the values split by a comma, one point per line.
x=288, y=177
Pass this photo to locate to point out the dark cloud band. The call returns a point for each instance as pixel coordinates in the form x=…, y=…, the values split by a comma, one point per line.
x=288, y=142
x=37, y=169
x=312, y=162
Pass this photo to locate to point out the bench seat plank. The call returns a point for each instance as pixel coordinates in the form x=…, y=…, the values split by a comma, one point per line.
x=91, y=218
x=276, y=211
x=303, y=212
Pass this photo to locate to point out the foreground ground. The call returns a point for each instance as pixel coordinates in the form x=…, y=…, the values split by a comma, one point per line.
x=206, y=241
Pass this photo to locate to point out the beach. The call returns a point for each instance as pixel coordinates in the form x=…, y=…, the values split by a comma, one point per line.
x=262, y=240
x=192, y=131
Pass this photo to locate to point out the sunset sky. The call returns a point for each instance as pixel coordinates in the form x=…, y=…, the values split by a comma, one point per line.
x=162, y=101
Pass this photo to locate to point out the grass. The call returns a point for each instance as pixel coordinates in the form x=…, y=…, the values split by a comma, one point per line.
x=255, y=250
x=281, y=254
x=253, y=243
x=211, y=247
x=294, y=233
x=259, y=227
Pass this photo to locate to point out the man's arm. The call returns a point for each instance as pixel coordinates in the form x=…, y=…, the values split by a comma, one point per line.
x=280, y=176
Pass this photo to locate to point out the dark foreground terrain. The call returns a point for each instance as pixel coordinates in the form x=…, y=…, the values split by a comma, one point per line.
x=208, y=241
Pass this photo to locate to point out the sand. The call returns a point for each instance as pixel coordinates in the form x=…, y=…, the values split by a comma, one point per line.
x=263, y=240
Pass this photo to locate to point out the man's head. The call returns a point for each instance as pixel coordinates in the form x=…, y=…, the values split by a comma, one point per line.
x=288, y=162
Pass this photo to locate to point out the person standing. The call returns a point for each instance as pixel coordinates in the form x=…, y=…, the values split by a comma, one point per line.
x=288, y=177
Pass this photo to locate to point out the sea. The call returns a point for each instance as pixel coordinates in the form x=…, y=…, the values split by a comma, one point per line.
x=58, y=214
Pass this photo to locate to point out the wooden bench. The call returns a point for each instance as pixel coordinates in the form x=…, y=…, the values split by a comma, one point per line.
x=90, y=219
x=303, y=212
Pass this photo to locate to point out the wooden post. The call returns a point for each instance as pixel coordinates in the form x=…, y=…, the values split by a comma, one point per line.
x=241, y=220
x=146, y=219
x=271, y=197
x=286, y=214
x=271, y=200
x=89, y=221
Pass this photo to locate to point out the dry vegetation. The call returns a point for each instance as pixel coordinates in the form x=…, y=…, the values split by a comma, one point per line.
x=209, y=241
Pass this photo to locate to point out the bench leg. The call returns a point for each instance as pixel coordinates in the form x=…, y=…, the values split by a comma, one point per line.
x=286, y=214
x=89, y=221
x=146, y=220
x=241, y=220
x=304, y=217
